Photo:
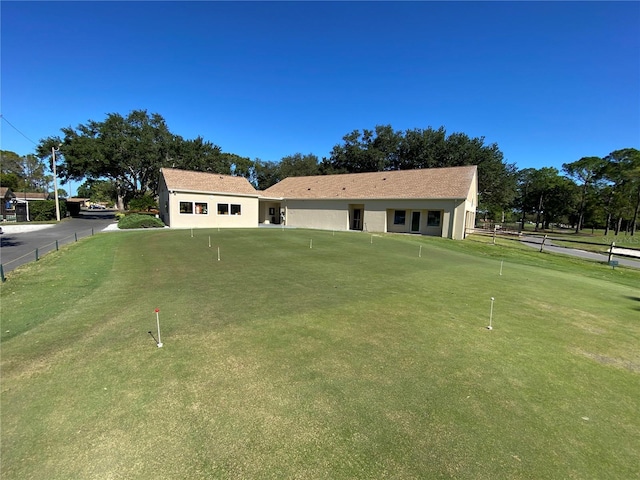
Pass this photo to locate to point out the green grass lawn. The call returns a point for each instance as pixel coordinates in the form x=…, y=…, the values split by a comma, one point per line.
x=356, y=358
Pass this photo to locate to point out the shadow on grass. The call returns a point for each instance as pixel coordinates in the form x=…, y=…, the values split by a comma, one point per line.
x=637, y=299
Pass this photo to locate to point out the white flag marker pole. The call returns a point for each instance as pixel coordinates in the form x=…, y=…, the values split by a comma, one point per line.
x=158, y=323
x=209, y=241
x=490, y=327
x=420, y=252
x=311, y=243
x=218, y=253
x=501, y=262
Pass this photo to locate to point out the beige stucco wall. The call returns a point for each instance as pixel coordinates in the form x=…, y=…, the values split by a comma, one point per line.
x=378, y=215
x=163, y=202
x=248, y=217
x=321, y=214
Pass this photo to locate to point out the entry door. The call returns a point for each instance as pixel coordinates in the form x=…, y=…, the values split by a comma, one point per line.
x=356, y=221
x=415, y=221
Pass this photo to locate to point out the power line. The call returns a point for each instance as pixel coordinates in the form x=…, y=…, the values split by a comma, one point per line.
x=16, y=129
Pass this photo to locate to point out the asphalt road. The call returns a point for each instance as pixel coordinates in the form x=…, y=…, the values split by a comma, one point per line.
x=535, y=241
x=19, y=247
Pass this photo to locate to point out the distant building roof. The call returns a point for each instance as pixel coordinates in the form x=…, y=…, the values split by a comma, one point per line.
x=31, y=195
x=6, y=190
x=432, y=183
x=184, y=180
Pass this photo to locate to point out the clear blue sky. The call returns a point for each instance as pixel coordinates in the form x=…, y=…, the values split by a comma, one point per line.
x=549, y=82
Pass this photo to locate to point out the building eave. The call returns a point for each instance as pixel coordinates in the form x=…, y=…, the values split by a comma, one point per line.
x=205, y=192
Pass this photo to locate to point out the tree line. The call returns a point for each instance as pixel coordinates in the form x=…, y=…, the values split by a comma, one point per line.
x=24, y=173
x=120, y=158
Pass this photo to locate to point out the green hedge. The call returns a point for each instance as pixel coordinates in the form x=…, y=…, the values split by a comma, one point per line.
x=45, y=210
x=139, y=221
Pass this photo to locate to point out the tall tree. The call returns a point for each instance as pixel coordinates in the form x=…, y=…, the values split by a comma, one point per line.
x=126, y=150
x=265, y=174
x=10, y=162
x=586, y=172
x=622, y=171
x=98, y=191
x=386, y=149
x=34, y=174
x=25, y=173
x=240, y=166
x=298, y=165
x=545, y=193
x=198, y=154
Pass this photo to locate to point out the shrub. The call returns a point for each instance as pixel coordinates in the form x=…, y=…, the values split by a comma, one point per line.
x=45, y=210
x=139, y=221
x=145, y=202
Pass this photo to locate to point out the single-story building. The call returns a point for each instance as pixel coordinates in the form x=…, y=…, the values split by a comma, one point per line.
x=436, y=201
x=15, y=205
x=204, y=200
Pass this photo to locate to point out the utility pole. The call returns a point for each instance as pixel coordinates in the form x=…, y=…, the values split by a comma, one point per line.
x=55, y=181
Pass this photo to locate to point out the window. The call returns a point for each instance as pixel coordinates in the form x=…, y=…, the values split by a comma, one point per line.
x=235, y=209
x=186, y=207
x=223, y=209
x=202, y=208
x=433, y=218
x=399, y=217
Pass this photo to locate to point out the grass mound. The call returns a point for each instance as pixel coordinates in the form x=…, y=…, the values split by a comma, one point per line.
x=137, y=220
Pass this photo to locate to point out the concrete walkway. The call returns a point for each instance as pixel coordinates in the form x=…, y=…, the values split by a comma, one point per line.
x=535, y=241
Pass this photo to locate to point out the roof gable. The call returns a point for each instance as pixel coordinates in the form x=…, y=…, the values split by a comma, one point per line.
x=432, y=183
x=185, y=180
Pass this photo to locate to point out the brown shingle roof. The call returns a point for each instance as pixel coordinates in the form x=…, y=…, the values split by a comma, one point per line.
x=206, y=182
x=452, y=182
x=31, y=195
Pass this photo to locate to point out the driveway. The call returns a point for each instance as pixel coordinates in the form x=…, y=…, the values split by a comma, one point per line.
x=18, y=243
x=535, y=241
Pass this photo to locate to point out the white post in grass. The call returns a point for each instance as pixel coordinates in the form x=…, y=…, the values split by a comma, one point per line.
x=420, y=252
x=209, y=241
x=490, y=327
x=371, y=239
x=218, y=253
x=501, y=262
x=311, y=243
x=542, y=244
x=158, y=323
